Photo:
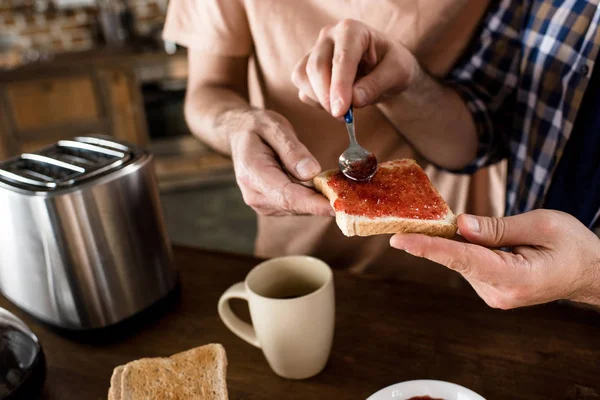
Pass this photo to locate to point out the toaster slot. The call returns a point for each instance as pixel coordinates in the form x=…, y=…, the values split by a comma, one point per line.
x=95, y=159
x=38, y=170
x=85, y=153
x=75, y=160
x=46, y=168
x=26, y=177
x=65, y=164
x=103, y=143
x=34, y=175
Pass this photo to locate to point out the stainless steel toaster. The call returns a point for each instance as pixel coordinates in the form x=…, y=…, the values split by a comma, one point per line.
x=83, y=243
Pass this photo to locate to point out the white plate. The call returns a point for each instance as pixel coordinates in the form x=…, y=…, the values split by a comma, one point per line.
x=434, y=389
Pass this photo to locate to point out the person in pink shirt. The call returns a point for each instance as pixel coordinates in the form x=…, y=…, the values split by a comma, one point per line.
x=241, y=101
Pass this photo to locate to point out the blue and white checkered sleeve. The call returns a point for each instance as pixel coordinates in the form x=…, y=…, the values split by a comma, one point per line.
x=487, y=77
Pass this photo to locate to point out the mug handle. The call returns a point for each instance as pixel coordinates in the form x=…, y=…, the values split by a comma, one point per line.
x=243, y=329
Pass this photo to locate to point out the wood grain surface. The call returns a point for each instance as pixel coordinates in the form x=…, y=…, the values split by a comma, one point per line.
x=385, y=333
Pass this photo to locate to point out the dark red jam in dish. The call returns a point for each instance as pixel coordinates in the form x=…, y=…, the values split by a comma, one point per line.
x=393, y=192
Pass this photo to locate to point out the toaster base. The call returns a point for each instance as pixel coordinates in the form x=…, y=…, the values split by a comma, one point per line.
x=118, y=330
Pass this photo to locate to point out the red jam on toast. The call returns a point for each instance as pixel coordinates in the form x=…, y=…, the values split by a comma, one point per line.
x=400, y=190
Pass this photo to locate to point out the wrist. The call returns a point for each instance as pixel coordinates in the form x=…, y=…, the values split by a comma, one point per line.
x=237, y=122
x=417, y=102
x=589, y=291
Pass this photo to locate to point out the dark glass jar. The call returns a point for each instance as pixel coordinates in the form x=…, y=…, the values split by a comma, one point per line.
x=22, y=362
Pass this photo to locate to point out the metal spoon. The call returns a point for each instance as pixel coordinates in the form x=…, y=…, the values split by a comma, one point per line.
x=356, y=163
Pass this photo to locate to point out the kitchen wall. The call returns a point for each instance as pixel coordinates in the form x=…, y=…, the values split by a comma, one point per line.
x=38, y=24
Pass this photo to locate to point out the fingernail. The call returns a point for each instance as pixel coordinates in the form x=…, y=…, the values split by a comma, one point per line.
x=472, y=223
x=307, y=168
x=394, y=244
x=360, y=96
x=336, y=107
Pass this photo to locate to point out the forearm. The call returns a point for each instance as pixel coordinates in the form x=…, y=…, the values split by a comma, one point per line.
x=214, y=113
x=435, y=120
x=422, y=21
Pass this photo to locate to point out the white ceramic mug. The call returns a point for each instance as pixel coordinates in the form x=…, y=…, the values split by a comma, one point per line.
x=291, y=301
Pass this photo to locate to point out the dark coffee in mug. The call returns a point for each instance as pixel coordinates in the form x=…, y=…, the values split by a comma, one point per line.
x=291, y=290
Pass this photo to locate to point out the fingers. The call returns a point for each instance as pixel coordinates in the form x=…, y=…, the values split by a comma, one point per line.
x=308, y=99
x=266, y=187
x=308, y=203
x=327, y=73
x=318, y=70
x=295, y=157
x=301, y=200
x=504, y=280
x=470, y=260
x=493, y=297
x=284, y=195
x=300, y=79
x=272, y=193
x=351, y=41
x=392, y=74
x=535, y=228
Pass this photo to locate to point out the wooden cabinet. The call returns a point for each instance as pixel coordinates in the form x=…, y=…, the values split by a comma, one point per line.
x=36, y=112
x=48, y=103
x=99, y=92
x=124, y=105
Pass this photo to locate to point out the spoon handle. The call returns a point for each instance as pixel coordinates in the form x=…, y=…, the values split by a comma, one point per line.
x=349, y=116
x=349, y=119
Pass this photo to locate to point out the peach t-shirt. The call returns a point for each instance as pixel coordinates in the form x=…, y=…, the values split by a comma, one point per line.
x=276, y=34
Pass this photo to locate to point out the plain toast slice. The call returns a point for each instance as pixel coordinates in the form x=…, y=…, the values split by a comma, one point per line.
x=399, y=198
x=196, y=374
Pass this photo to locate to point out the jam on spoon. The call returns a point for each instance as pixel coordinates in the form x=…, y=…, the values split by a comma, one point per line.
x=356, y=163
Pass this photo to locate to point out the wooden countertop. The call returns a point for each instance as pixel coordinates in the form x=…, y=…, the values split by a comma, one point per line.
x=385, y=333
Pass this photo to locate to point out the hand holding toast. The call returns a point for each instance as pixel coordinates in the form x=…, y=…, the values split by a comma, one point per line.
x=262, y=151
x=327, y=76
x=553, y=257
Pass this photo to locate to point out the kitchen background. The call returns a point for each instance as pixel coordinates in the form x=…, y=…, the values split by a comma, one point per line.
x=67, y=25
x=71, y=67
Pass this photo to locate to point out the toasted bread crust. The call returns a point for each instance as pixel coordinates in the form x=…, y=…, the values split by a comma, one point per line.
x=353, y=225
x=114, y=393
x=199, y=373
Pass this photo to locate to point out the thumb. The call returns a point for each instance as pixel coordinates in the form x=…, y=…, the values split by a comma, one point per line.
x=294, y=155
x=493, y=232
x=391, y=75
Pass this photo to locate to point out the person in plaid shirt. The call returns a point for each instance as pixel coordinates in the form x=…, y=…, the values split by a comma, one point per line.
x=527, y=90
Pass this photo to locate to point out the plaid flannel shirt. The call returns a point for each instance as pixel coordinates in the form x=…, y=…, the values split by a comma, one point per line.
x=523, y=82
